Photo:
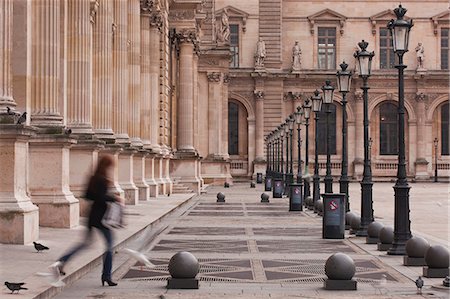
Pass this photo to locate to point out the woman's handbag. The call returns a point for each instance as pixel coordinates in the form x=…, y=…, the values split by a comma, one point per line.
x=113, y=217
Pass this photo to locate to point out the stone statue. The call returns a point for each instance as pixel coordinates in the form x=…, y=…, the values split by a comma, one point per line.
x=223, y=29
x=420, y=53
x=260, y=53
x=296, y=57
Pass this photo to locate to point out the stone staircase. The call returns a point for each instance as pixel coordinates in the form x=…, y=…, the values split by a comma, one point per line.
x=179, y=188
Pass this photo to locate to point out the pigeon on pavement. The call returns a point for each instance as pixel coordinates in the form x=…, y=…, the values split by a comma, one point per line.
x=15, y=286
x=22, y=118
x=39, y=247
x=419, y=285
x=139, y=257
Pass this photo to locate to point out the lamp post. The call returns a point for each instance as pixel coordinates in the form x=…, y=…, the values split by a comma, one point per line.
x=298, y=120
x=291, y=158
x=344, y=82
x=435, y=141
x=307, y=105
x=286, y=175
x=402, y=225
x=281, y=132
x=365, y=63
x=328, y=100
x=317, y=106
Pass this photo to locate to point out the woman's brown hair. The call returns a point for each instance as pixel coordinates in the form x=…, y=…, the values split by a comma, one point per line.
x=105, y=162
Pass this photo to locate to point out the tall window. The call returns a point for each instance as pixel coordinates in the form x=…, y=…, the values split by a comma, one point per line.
x=322, y=130
x=444, y=129
x=444, y=48
x=327, y=48
x=387, y=56
x=388, y=129
x=233, y=128
x=234, y=45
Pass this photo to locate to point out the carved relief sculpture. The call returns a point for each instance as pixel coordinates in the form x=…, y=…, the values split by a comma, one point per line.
x=223, y=29
x=260, y=53
x=420, y=53
x=296, y=57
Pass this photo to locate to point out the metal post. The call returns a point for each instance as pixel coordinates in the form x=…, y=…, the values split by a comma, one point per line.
x=306, y=176
x=286, y=174
x=316, y=178
x=299, y=159
x=366, y=183
x=435, y=160
x=328, y=178
x=343, y=181
x=402, y=223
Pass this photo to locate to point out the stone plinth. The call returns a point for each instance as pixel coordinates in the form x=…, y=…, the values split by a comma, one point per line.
x=49, y=180
x=186, y=167
x=165, y=175
x=182, y=283
x=139, y=175
x=258, y=166
x=435, y=272
x=150, y=175
x=332, y=284
x=216, y=171
x=19, y=217
x=414, y=261
x=131, y=192
x=422, y=170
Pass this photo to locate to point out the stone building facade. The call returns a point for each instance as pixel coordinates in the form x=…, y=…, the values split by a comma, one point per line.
x=174, y=91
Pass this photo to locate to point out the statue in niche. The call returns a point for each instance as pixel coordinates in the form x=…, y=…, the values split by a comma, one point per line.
x=420, y=53
x=223, y=30
x=260, y=53
x=296, y=57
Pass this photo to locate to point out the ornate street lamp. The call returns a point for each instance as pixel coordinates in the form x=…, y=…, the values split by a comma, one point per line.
x=298, y=120
x=291, y=158
x=317, y=106
x=328, y=100
x=307, y=106
x=344, y=80
x=365, y=64
x=287, y=176
x=435, y=141
x=402, y=225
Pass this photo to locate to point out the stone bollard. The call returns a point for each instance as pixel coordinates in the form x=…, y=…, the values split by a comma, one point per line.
x=437, y=259
x=373, y=230
x=348, y=219
x=446, y=282
x=355, y=225
x=252, y=185
x=259, y=178
x=386, y=237
x=340, y=269
x=183, y=267
x=265, y=198
x=319, y=205
x=416, y=247
x=220, y=197
x=226, y=185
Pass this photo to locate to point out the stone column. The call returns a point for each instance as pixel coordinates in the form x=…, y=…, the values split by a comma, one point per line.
x=145, y=113
x=214, y=115
x=19, y=217
x=258, y=162
x=421, y=162
x=101, y=70
x=120, y=71
x=185, y=132
x=79, y=42
x=224, y=149
x=358, y=163
x=154, y=62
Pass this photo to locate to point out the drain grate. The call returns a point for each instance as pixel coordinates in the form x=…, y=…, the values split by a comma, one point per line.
x=208, y=231
x=298, y=246
x=223, y=246
x=215, y=214
x=282, y=231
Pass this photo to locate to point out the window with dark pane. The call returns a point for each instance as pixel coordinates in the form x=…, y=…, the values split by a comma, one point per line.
x=444, y=129
x=233, y=128
x=234, y=45
x=387, y=56
x=326, y=48
x=444, y=48
x=388, y=129
x=322, y=130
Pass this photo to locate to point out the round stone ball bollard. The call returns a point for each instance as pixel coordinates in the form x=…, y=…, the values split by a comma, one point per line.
x=252, y=185
x=264, y=197
x=340, y=269
x=348, y=219
x=355, y=225
x=386, y=237
x=226, y=185
x=437, y=259
x=373, y=230
x=319, y=205
x=220, y=197
x=416, y=247
x=183, y=267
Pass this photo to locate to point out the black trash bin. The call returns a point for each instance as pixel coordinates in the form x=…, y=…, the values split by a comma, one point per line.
x=268, y=184
x=277, y=191
x=296, y=197
x=333, y=221
x=259, y=178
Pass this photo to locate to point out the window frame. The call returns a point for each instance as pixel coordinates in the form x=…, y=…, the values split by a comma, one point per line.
x=441, y=49
x=321, y=128
x=390, y=55
x=230, y=131
x=317, y=50
x=393, y=125
x=444, y=152
x=238, y=45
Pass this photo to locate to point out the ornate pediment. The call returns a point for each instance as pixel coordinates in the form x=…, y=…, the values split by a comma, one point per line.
x=234, y=15
x=327, y=16
x=439, y=19
x=382, y=18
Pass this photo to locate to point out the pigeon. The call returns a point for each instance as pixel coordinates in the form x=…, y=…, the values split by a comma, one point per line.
x=139, y=257
x=40, y=247
x=252, y=185
x=419, y=285
x=68, y=131
x=15, y=286
x=9, y=111
x=22, y=118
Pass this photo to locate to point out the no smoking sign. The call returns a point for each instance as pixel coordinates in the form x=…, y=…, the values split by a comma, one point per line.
x=333, y=205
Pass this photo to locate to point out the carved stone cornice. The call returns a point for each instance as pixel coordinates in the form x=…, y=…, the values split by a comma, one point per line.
x=258, y=94
x=179, y=15
x=94, y=4
x=186, y=35
x=156, y=20
x=294, y=96
x=214, y=76
x=146, y=6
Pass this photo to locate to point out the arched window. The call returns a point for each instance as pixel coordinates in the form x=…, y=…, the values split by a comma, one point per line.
x=444, y=129
x=388, y=129
x=233, y=128
x=322, y=130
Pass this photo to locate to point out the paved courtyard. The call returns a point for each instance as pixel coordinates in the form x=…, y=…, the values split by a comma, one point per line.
x=248, y=249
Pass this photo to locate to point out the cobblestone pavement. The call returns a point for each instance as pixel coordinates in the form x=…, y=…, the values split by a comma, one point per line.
x=248, y=249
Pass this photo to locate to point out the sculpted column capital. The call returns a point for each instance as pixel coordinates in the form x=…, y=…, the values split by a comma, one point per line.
x=186, y=35
x=156, y=20
x=94, y=4
x=258, y=94
x=421, y=97
x=213, y=77
x=146, y=6
x=226, y=78
x=358, y=95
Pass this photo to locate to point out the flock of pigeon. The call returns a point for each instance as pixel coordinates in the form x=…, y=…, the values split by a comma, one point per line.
x=55, y=275
x=22, y=117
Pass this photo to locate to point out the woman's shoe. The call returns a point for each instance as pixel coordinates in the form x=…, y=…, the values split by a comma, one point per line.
x=59, y=267
x=109, y=282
